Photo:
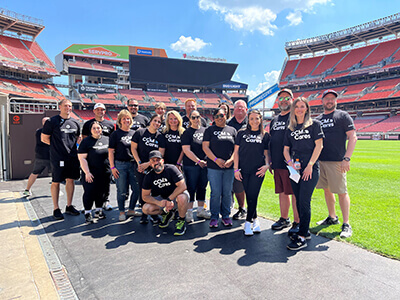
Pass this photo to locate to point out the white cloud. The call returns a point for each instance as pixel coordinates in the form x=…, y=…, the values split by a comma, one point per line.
x=188, y=45
x=259, y=15
x=241, y=43
x=236, y=76
x=295, y=18
x=270, y=78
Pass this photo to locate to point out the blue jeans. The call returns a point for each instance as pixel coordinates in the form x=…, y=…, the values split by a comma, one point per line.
x=126, y=178
x=221, y=182
x=196, y=182
x=303, y=191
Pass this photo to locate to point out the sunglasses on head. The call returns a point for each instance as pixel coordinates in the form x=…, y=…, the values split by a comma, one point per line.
x=219, y=116
x=284, y=98
x=134, y=105
x=195, y=117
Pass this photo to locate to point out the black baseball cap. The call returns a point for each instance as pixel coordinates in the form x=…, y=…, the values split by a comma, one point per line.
x=155, y=153
x=329, y=92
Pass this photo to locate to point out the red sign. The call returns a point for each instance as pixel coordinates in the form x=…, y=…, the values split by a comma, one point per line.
x=16, y=120
x=99, y=51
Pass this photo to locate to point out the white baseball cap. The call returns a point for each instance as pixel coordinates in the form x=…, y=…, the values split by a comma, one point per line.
x=97, y=105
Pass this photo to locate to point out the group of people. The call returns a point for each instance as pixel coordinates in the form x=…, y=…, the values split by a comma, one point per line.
x=166, y=162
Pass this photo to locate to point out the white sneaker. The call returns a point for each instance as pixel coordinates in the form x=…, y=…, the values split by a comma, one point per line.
x=256, y=226
x=247, y=228
x=189, y=216
x=204, y=214
x=26, y=193
x=122, y=217
x=107, y=206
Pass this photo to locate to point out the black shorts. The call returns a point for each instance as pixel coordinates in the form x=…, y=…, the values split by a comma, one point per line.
x=39, y=165
x=69, y=170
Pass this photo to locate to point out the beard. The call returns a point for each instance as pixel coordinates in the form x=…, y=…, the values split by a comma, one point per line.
x=330, y=107
x=158, y=168
x=284, y=108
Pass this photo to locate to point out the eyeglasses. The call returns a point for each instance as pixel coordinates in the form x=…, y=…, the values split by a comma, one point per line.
x=284, y=98
x=195, y=117
x=219, y=116
x=134, y=105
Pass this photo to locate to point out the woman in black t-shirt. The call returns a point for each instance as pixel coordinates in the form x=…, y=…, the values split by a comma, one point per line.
x=122, y=164
x=93, y=158
x=303, y=145
x=172, y=132
x=143, y=142
x=195, y=166
x=250, y=164
x=218, y=145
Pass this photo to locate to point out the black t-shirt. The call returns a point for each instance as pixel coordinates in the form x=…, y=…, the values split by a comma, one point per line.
x=235, y=124
x=277, y=130
x=186, y=124
x=173, y=147
x=64, y=134
x=147, y=142
x=251, y=150
x=302, y=141
x=335, y=126
x=222, y=143
x=106, y=125
x=120, y=141
x=42, y=150
x=163, y=184
x=139, y=121
x=97, y=154
x=193, y=138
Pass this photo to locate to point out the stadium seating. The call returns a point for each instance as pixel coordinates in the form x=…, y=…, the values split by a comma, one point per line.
x=328, y=62
x=104, y=67
x=4, y=52
x=80, y=64
x=383, y=50
x=113, y=114
x=355, y=56
x=17, y=48
x=357, y=88
x=38, y=52
x=289, y=68
x=361, y=123
x=84, y=114
x=386, y=84
x=306, y=66
x=377, y=95
x=212, y=99
x=160, y=97
x=386, y=125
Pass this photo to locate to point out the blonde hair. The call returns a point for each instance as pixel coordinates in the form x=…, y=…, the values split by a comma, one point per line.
x=178, y=116
x=124, y=113
x=307, y=117
x=160, y=104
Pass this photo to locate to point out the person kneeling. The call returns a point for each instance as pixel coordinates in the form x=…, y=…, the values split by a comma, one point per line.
x=164, y=191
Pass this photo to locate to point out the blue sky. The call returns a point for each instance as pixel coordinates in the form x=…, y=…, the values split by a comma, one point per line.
x=251, y=33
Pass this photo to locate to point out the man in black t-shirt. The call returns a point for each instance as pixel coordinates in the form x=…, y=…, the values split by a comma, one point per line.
x=191, y=105
x=107, y=126
x=42, y=159
x=283, y=187
x=164, y=190
x=139, y=120
x=335, y=157
x=62, y=133
x=239, y=121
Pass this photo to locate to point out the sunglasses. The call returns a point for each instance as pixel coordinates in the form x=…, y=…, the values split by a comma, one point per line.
x=219, y=116
x=195, y=117
x=134, y=105
x=284, y=98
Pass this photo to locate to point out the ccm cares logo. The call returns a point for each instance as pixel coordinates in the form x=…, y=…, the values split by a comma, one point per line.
x=99, y=51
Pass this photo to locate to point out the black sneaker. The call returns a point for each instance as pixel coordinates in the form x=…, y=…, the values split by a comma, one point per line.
x=176, y=215
x=155, y=220
x=295, y=229
x=166, y=219
x=280, y=224
x=71, y=210
x=329, y=221
x=88, y=218
x=241, y=213
x=180, y=227
x=297, y=244
x=99, y=214
x=57, y=214
x=144, y=219
x=346, y=231
x=296, y=236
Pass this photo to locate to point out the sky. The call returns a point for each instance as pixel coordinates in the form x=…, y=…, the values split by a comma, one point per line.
x=251, y=33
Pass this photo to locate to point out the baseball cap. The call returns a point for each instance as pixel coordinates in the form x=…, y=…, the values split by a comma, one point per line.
x=287, y=91
x=97, y=105
x=155, y=153
x=329, y=92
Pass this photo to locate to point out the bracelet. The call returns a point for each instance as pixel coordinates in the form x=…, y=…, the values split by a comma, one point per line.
x=198, y=161
x=215, y=159
x=289, y=161
x=112, y=168
x=238, y=170
x=179, y=164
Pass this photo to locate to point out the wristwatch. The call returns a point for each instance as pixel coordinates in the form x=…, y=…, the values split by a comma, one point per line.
x=346, y=158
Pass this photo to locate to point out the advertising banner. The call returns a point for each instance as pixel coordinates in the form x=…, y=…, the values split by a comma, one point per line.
x=85, y=89
x=99, y=51
x=264, y=95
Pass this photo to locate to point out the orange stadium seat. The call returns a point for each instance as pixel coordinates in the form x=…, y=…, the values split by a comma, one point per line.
x=289, y=68
x=355, y=56
x=306, y=66
x=17, y=48
x=386, y=125
x=384, y=50
x=328, y=62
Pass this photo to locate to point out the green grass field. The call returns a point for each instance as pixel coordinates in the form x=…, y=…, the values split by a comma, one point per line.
x=374, y=189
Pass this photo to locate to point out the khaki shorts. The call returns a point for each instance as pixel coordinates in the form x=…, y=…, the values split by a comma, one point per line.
x=331, y=177
x=282, y=182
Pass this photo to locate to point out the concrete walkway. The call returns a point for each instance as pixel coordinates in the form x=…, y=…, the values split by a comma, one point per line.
x=125, y=260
